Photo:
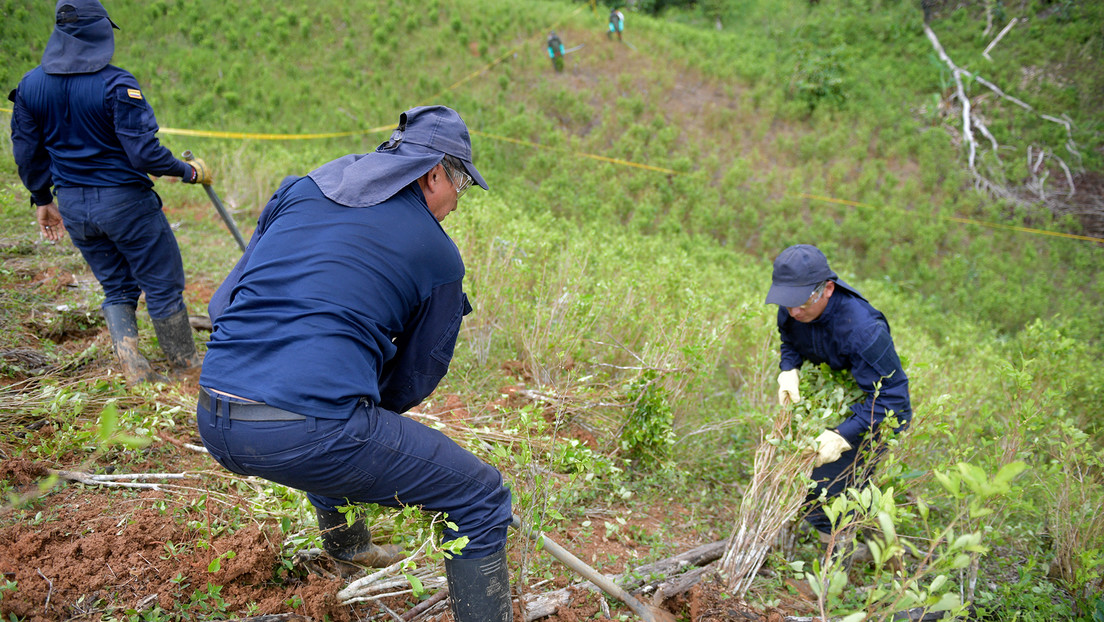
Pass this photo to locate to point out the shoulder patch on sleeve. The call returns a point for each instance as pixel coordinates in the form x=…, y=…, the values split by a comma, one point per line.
x=134, y=93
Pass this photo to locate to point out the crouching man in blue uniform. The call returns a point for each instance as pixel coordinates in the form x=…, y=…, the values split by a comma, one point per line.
x=342, y=313
x=85, y=128
x=824, y=320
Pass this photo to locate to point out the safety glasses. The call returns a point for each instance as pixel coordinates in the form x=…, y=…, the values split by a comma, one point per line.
x=818, y=293
x=465, y=181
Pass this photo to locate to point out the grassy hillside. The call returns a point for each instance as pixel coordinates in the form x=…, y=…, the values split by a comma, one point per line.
x=619, y=263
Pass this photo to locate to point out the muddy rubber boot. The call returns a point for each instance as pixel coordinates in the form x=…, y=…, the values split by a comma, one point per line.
x=479, y=589
x=174, y=333
x=123, y=324
x=353, y=543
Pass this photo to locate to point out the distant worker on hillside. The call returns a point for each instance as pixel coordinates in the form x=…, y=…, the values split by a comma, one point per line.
x=556, y=51
x=85, y=128
x=346, y=306
x=616, y=23
x=822, y=319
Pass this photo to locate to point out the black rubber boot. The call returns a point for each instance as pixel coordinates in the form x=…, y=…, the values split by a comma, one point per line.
x=174, y=333
x=479, y=589
x=123, y=324
x=353, y=543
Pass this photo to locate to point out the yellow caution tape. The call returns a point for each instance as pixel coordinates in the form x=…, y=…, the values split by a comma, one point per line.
x=659, y=169
x=967, y=221
x=262, y=136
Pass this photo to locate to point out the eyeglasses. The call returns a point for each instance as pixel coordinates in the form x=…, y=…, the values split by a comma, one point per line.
x=465, y=181
x=818, y=293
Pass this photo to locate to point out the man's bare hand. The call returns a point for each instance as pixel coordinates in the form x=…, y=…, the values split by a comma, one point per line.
x=49, y=222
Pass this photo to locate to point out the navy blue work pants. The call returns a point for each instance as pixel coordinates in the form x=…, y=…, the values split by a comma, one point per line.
x=376, y=456
x=126, y=240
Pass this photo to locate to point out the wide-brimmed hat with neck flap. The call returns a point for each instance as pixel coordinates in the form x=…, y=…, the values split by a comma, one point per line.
x=421, y=140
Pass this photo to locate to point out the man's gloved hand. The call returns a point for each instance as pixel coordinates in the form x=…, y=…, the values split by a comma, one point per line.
x=830, y=446
x=201, y=173
x=787, y=387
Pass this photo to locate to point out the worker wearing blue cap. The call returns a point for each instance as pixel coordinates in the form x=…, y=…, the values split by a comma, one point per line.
x=822, y=319
x=342, y=314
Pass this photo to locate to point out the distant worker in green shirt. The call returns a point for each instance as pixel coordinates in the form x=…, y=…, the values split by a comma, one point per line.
x=556, y=51
x=616, y=23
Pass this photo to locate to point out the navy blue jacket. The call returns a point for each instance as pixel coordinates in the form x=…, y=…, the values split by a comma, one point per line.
x=89, y=129
x=331, y=304
x=852, y=335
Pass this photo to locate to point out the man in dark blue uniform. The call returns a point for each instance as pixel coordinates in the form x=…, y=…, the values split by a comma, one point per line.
x=84, y=127
x=342, y=313
x=822, y=319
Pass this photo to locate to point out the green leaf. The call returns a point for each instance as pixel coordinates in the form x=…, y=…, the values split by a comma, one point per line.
x=837, y=582
x=947, y=602
x=1007, y=473
x=886, y=521
x=109, y=422
x=415, y=583
x=814, y=583
x=922, y=508
x=951, y=484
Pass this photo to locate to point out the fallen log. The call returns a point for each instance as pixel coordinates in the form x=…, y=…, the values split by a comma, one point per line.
x=643, y=579
x=275, y=617
x=425, y=605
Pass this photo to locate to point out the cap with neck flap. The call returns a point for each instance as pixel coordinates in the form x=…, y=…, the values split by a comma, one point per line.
x=83, y=40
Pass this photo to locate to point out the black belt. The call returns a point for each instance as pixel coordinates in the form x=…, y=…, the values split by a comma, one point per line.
x=248, y=411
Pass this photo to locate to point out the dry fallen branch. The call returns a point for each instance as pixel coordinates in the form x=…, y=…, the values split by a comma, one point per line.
x=999, y=37
x=276, y=617
x=374, y=586
x=657, y=578
x=426, y=605
x=126, y=480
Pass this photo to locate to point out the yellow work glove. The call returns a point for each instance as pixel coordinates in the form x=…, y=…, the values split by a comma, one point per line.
x=830, y=446
x=201, y=173
x=787, y=387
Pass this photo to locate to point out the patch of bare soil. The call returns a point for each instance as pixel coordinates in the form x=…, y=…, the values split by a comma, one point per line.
x=85, y=550
x=82, y=550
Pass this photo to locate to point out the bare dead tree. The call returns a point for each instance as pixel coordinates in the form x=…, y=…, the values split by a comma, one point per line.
x=1040, y=162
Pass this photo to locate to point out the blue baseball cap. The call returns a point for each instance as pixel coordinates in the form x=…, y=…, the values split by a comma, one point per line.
x=797, y=272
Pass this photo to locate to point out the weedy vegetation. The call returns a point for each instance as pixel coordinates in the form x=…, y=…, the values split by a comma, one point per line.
x=620, y=356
